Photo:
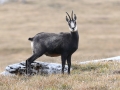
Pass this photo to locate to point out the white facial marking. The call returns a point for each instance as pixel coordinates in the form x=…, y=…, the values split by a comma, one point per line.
x=72, y=24
x=70, y=29
x=73, y=30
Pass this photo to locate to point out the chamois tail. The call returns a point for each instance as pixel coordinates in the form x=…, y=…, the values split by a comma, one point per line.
x=30, y=39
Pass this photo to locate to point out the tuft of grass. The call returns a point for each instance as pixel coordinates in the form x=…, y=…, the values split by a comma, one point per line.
x=96, y=67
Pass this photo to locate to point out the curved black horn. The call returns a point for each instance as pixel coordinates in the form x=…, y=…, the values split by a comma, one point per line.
x=68, y=16
x=72, y=15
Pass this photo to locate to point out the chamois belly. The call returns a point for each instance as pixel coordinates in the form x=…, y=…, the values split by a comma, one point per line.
x=52, y=54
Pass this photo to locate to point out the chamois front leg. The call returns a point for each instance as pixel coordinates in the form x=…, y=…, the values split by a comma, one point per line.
x=29, y=61
x=63, y=58
x=69, y=63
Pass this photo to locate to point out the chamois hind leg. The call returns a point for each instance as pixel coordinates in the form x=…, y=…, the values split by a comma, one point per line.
x=63, y=59
x=69, y=63
x=30, y=60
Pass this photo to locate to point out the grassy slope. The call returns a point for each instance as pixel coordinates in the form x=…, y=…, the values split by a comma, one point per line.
x=83, y=77
x=98, y=24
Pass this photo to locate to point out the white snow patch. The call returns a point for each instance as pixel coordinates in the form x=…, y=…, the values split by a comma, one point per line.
x=117, y=59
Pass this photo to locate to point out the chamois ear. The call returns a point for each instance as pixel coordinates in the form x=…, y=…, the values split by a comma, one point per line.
x=75, y=17
x=67, y=19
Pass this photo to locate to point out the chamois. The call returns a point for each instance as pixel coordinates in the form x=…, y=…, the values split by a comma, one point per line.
x=51, y=44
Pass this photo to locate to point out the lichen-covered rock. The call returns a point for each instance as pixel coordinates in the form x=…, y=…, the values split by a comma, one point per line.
x=36, y=68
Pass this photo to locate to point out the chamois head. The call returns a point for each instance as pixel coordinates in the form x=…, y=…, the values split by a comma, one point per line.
x=72, y=22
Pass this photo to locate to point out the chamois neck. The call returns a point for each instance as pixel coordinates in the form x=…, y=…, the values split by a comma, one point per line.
x=75, y=35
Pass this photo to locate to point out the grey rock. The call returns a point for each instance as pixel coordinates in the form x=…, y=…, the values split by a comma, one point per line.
x=40, y=68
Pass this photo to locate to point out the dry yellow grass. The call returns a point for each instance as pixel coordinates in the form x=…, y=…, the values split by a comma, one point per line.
x=98, y=24
x=83, y=77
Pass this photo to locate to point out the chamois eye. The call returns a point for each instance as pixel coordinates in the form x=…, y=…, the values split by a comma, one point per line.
x=75, y=22
x=69, y=23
